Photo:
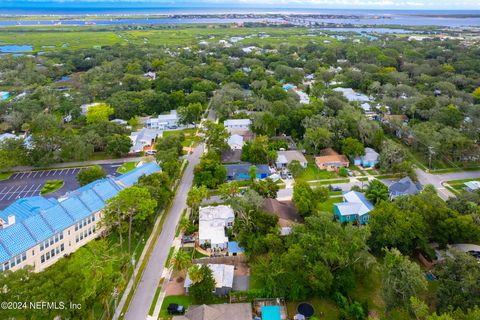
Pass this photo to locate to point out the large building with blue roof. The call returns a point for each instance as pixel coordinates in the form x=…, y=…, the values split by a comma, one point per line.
x=38, y=231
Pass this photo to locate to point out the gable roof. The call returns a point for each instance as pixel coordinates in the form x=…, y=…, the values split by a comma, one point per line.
x=291, y=155
x=222, y=273
x=236, y=122
x=232, y=311
x=39, y=218
x=355, y=203
x=235, y=139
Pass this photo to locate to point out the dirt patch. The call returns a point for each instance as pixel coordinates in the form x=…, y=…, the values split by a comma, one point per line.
x=175, y=287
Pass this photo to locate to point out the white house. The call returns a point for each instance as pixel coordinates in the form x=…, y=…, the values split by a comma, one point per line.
x=472, y=185
x=143, y=138
x=284, y=158
x=87, y=106
x=212, y=223
x=223, y=275
x=235, y=142
x=352, y=96
x=237, y=124
x=163, y=121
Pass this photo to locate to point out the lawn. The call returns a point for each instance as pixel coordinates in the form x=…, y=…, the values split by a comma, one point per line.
x=51, y=186
x=327, y=206
x=189, y=135
x=126, y=167
x=5, y=175
x=185, y=301
x=321, y=305
x=460, y=184
x=313, y=173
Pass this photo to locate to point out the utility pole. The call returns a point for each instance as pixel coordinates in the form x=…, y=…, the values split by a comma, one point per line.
x=430, y=154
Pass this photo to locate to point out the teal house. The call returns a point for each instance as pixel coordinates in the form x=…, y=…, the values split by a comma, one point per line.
x=354, y=208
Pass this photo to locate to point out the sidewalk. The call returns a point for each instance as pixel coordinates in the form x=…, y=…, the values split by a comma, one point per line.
x=79, y=164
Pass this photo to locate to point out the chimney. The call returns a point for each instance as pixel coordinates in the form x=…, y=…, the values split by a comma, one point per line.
x=11, y=219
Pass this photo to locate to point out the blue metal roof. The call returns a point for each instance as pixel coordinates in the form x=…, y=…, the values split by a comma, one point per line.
x=26, y=207
x=38, y=218
x=38, y=227
x=129, y=178
x=17, y=239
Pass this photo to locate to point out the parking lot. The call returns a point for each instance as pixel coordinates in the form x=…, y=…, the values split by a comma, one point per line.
x=30, y=183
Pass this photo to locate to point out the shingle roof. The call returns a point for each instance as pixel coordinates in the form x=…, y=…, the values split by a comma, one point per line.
x=404, y=187
x=38, y=218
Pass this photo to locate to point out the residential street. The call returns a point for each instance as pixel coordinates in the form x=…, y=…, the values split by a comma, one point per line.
x=143, y=296
x=437, y=179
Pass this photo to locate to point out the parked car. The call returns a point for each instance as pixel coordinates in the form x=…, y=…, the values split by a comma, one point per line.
x=283, y=175
x=335, y=188
x=151, y=152
x=188, y=239
x=174, y=308
x=350, y=173
x=289, y=175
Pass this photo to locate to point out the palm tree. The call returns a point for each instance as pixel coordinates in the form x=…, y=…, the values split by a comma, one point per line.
x=377, y=192
x=195, y=273
x=182, y=261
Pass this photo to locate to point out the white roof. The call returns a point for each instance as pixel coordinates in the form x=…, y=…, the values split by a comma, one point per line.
x=235, y=139
x=351, y=95
x=5, y=136
x=355, y=203
x=171, y=116
x=291, y=155
x=281, y=158
x=212, y=222
x=236, y=122
x=222, y=273
x=366, y=107
x=304, y=98
x=473, y=185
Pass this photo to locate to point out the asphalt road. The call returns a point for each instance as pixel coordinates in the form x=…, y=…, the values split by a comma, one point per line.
x=29, y=183
x=437, y=180
x=145, y=291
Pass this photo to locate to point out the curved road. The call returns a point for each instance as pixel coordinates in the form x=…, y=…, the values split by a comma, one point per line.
x=438, y=179
x=144, y=294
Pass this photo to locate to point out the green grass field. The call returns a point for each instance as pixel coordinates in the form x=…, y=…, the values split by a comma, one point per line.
x=50, y=38
x=51, y=186
x=313, y=173
x=126, y=167
x=189, y=136
x=5, y=175
x=185, y=301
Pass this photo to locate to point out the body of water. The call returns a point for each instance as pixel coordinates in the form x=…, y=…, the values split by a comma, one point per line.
x=452, y=18
x=15, y=48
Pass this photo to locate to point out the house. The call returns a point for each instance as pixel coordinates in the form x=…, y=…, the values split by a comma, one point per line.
x=143, y=139
x=304, y=98
x=233, y=125
x=230, y=311
x=355, y=207
x=353, y=96
x=286, y=211
x=38, y=231
x=4, y=95
x=289, y=86
x=330, y=160
x=284, y=158
x=235, y=141
x=369, y=160
x=120, y=122
x=163, y=121
x=404, y=187
x=223, y=275
x=6, y=136
x=472, y=185
x=84, y=107
x=150, y=75
x=213, y=220
x=241, y=171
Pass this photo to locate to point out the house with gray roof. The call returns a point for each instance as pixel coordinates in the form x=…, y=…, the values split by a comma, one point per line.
x=230, y=311
x=404, y=187
x=240, y=171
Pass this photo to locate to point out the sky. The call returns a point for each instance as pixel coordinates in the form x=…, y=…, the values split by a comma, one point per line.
x=337, y=4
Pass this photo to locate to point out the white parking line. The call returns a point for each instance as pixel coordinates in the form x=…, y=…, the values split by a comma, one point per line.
x=3, y=189
x=18, y=194
x=23, y=173
x=36, y=191
x=36, y=172
x=13, y=193
x=29, y=174
x=26, y=192
x=7, y=193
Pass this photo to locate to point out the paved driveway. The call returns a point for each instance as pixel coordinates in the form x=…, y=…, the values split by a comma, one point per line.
x=29, y=183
